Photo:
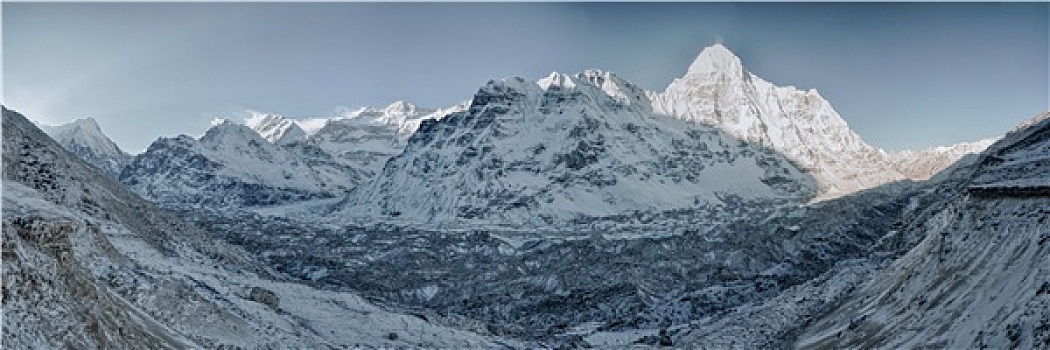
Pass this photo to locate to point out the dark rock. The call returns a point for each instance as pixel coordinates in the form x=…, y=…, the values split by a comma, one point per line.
x=265, y=297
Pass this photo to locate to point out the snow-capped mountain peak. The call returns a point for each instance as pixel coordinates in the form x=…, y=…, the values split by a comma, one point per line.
x=85, y=138
x=401, y=107
x=85, y=125
x=717, y=90
x=274, y=128
x=923, y=164
x=556, y=79
x=229, y=131
x=84, y=130
x=607, y=82
x=715, y=59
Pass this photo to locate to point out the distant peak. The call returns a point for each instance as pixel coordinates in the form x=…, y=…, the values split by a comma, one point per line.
x=79, y=128
x=89, y=121
x=401, y=107
x=715, y=58
x=226, y=130
x=556, y=79
x=218, y=121
x=255, y=119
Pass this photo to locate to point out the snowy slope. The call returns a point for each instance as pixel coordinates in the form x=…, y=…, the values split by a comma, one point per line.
x=87, y=264
x=923, y=164
x=367, y=137
x=233, y=165
x=718, y=90
x=84, y=138
x=980, y=276
x=535, y=153
x=275, y=128
x=595, y=145
x=271, y=159
x=964, y=267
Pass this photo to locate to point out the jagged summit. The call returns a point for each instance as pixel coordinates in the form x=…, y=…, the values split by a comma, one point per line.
x=607, y=82
x=227, y=130
x=556, y=79
x=274, y=128
x=401, y=107
x=713, y=59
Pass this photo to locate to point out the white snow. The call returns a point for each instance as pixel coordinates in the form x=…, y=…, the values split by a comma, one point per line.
x=923, y=164
x=565, y=146
x=802, y=125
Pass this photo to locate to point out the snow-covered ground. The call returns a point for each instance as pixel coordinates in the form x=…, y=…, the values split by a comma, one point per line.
x=980, y=277
x=81, y=271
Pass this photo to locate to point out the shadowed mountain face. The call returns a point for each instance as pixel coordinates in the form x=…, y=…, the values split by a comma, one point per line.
x=232, y=166
x=980, y=276
x=964, y=267
x=274, y=160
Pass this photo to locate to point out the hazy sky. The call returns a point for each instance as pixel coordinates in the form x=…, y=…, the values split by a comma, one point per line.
x=902, y=75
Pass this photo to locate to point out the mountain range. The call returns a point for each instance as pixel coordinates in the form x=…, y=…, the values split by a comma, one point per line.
x=575, y=210
x=563, y=148
x=89, y=264
x=84, y=138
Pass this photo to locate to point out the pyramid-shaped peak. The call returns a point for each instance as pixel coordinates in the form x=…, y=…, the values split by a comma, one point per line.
x=715, y=58
x=225, y=129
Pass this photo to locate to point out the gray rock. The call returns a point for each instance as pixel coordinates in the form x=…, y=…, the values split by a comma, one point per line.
x=265, y=297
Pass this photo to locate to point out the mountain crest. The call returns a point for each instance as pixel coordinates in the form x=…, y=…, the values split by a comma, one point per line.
x=228, y=131
x=85, y=138
x=715, y=59
x=275, y=128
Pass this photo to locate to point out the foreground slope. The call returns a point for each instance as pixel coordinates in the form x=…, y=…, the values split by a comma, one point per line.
x=980, y=277
x=87, y=264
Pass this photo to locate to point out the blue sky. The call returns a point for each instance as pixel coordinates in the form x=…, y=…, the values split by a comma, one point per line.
x=903, y=75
